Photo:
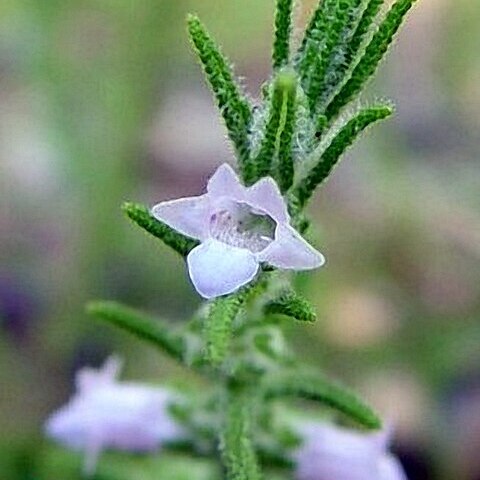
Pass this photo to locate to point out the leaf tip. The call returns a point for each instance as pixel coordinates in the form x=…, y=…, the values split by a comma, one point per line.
x=91, y=307
x=286, y=80
x=96, y=307
x=130, y=207
x=192, y=20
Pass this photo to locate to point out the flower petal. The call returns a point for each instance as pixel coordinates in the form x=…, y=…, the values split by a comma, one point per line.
x=67, y=426
x=225, y=183
x=290, y=251
x=188, y=216
x=339, y=441
x=217, y=269
x=334, y=452
x=391, y=469
x=265, y=195
x=88, y=378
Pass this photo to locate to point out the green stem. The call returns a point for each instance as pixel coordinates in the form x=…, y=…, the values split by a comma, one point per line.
x=238, y=453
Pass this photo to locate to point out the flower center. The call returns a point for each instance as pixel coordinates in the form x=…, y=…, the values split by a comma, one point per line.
x=241, y=226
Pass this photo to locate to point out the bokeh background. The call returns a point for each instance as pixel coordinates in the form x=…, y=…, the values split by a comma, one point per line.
x=101, y=101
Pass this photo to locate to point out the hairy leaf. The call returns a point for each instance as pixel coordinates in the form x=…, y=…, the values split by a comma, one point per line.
x=314, y=44
x=147, y=328
x=292, y=305
x=276, y=146
x=283, y=27
x=306, y=137
x=263, y=162
x=142, y=217
x=337, y=147
x=233, y=105
x=363, y=27
x=352, y=50
x=374, y=53
x=317, y=388
x=326, y=71
x=285, y=168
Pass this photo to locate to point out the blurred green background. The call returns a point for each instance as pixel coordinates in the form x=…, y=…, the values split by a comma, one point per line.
x=101, y=101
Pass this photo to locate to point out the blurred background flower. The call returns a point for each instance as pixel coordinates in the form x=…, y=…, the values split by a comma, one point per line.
x=102, y=102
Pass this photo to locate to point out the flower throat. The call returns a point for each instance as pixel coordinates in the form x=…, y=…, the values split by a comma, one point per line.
x=240, y=226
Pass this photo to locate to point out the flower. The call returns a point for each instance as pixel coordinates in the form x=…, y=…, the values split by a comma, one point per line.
x=105, y=413
x=238, y=227
x=330, y=452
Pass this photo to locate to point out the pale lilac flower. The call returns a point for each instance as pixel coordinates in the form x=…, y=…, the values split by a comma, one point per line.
x=107, y=414
x=238, y=227
x=330, y=452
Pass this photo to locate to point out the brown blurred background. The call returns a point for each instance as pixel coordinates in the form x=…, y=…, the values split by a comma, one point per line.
x=101, y=101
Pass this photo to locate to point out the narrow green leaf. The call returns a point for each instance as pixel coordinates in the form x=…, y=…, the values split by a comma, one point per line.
x=314, y=42
x=348, y=53
x=320, y=389
x=305, y=138
x=279, y=130
x=147, y=328
x=363, y=27
x=263, y=162
x=325, y=71
x=315, y=35
x=233, y=105
x=140, y=215
x=285, y=174
x=374, y=53
x=236, y=446
x=292, y=305
x=283, y=27
x=337, y=147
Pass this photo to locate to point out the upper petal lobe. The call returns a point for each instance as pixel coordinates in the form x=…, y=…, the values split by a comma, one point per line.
x=225, y=183
x=189, y=216
x=265, y=195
